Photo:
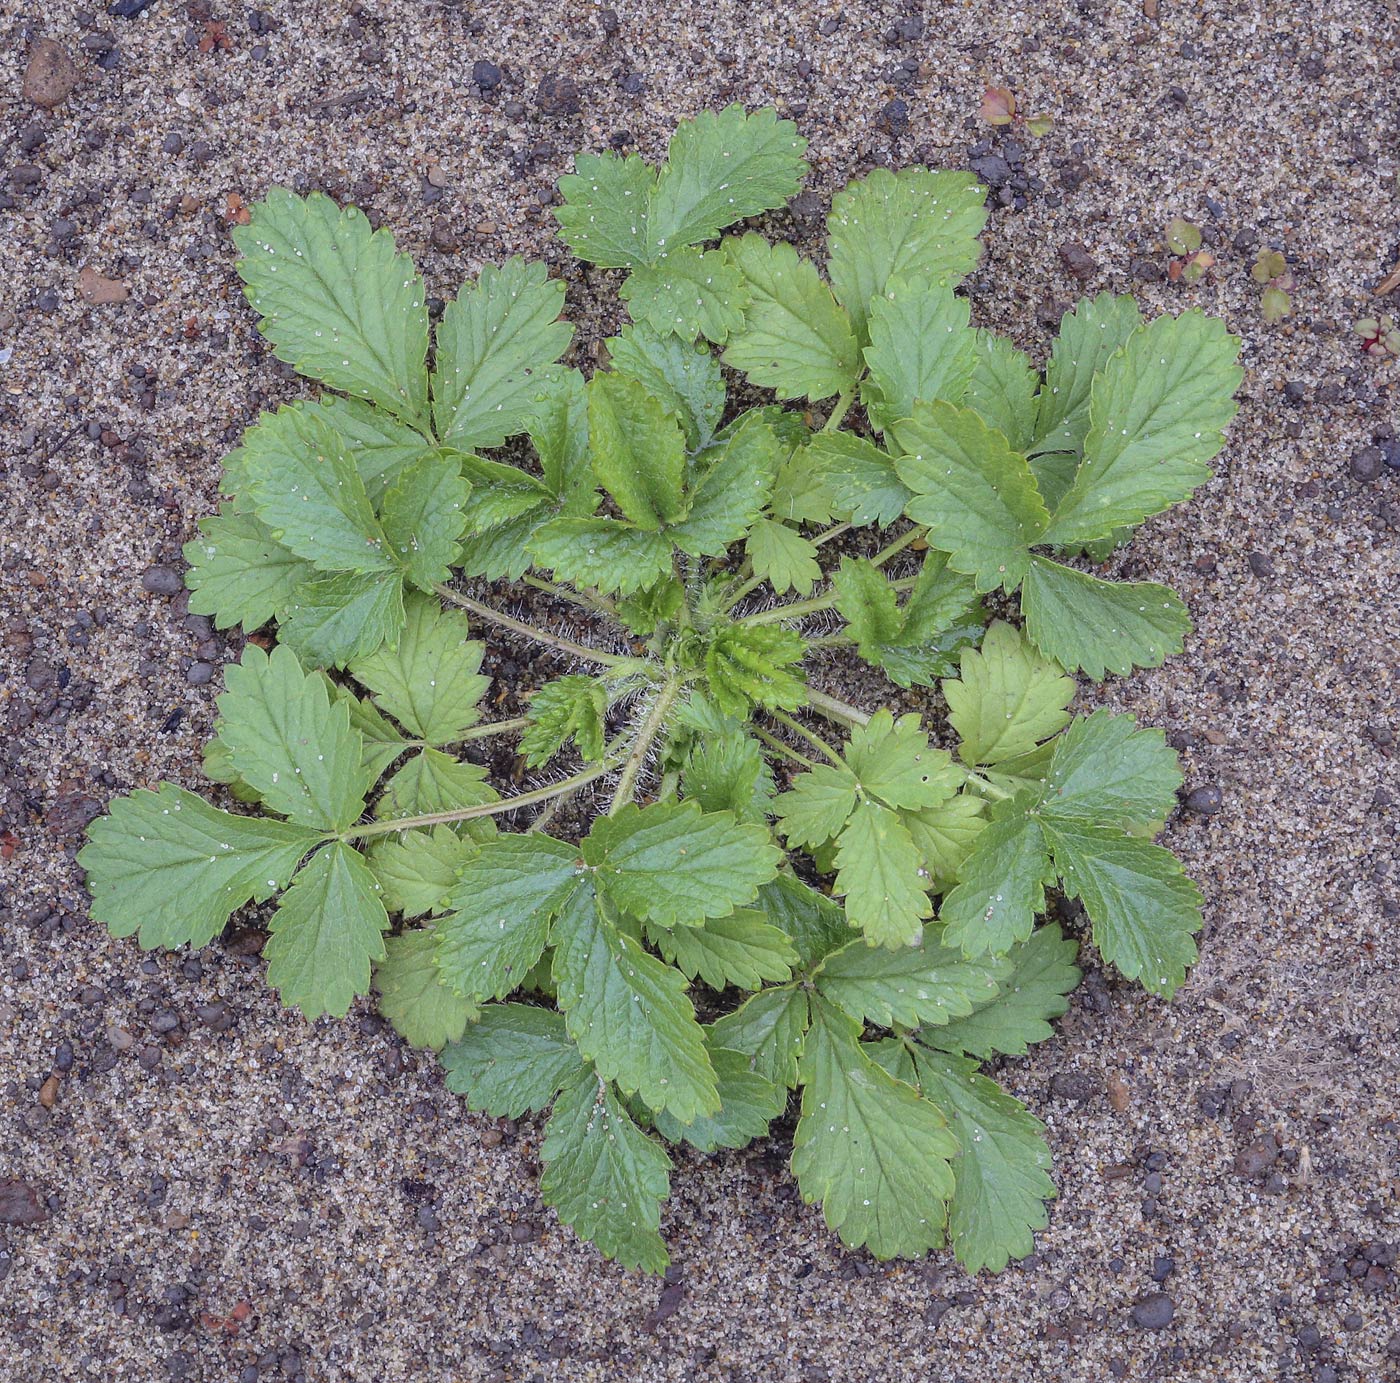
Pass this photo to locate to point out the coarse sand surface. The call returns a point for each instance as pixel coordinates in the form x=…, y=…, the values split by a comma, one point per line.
x=224, y=1192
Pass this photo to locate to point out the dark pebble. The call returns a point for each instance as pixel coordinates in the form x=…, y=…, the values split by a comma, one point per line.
x=173, y=143
x=21, y=1204
x=1073, y=1085
x=200, y=674
x=1256, y=1159
x=1205, y=800
x=486, y=75
x=1154, y=1312
x=1367, y=463
x=162, y=581
x=1162, y=1269
x=128, y=9
x=558, y=95
x=1295, y=391
x=1077, y=260
x=992, y=169
x=1261, y=564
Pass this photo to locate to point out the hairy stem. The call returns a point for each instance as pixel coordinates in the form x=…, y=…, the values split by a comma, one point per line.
x=496, y=727
x=529, y=631
x=778, y=747
x=835, y=531
x=793, y=610
x=599, y=604
x=899, y=544
x=839, y=711
x=812, y=738
x=507, y=804
x=646, y=736
x=838, y=414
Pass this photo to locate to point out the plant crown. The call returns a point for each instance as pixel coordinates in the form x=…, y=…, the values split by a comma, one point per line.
x=778, y=890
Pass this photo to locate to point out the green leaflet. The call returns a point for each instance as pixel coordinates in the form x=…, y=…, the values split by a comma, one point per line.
x=336, y=299
x=730, y=492
x=860, y=478
x=171, y=868
x=915, y=224
x=329, y=928
x=239, y=573
x=796, y=338
x=768, y=1030
x=604, y=215
x=602, y=553
x=688, y=294
x=741, y=950
x=422, y=517
x=879, y=873
x=638, y=451
x=432, y=781
x=416, y=871
x=782, y=557
x=684, y=377
x=412, y=996
x=1002, y=391
x=749, y=1102
x=334, y=620
x=1101, y=626
x=571, y=708
x=921, y=348
x=811, y=920
x=494, y=348
x=750, y=665
x=727, y=772
x=512, y=1060
x=1001, y=884
x=1105, y=769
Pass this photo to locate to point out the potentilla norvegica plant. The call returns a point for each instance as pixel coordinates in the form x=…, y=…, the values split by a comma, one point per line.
x=854, y=912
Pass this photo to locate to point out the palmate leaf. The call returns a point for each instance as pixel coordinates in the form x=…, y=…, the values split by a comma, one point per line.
x=944, y=836
x=412, y=996
x=1001, y=884
x=685, y=377
x=431, y=681
x=422, y=517
x=1002, y=391
x=729, y=491
x=782, y=556
x=749, y=665
x=1101, y=626
x=495, y=345
x=170, y=869
x=432, y=781
x=604, y=1176
x=1157, y=416
x=767, y=1030
x=607, y=554
x=338, y=618
x=749, y=1102
x=328, y=929
x=604, y=215
x=1018, y=1016
x=239, y=573
x=818, y=805
x=861, y=480
x=675, y=865
x=893, y=762
x=879, y=873
x=914, y=224
x=921, y=348
x=638, y=451
x=569, y=708
x=289, y=743
x=512, y=1060
x=416, y=870
x=975, y=495
x=687, y=294
x=1008, y=698
x=628, y=1013
x=336, y=299
x=796, y=339
x=873, y=1152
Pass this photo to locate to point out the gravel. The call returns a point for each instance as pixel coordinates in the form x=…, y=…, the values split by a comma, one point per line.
x=286, y=1143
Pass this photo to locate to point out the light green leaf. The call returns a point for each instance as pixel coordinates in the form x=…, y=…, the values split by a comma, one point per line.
x=1008, y=699
x=940, y=617
x=381, y=444
x=730, y=492
x=1143, y=907
x=927, y=983
x=311, y=497
x=638, y=450
x=558, y=428
x=1022, y=771
x=337, y=301
x=500, y=493
x=860, y=478
x=1101, y=626
x=417, y=869
x=880, y=875
x=1107, y=770
x=630, y=1014
x=687, y=294
x=604, y=1176
x=412, y=996
x=604, y=216
x=239, y=574
x=814, y=923
x=1002, y=389
x=569, y=708
x=868, y=604
x=945, y=834
x=1000, y=1174
x=431, y=682
x=893, y=762
x=170, y=867
x=800, y=494
x=493, y=345
x=796, y=339
x=423, y=517
x=976, y=496
x=673, y=864
x=1157, y=416
x=1001, y=884
x=748, y=665
x=289, y=743
x=720, y=168
x=749, y=1102
x=686, y=378
x=328, y=929
x=432, y=781
x=727, y=772
x=868, y=1147
x=1091, y=334
x=767, y=1030
x=782, y=557
x=218, y=768
x=512, y=1061
x=741, y=950
x=817, y=806
x=382, y=739
x=612, y=556
x=339, y=618
x=921, y=348
x=915, y=224
x=1042, y=973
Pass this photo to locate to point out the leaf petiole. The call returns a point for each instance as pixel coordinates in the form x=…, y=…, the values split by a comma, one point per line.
x=646, y=736
x=812, y=738
x=530, y=631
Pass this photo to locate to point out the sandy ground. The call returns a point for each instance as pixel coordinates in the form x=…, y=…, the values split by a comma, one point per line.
x=233, y=1195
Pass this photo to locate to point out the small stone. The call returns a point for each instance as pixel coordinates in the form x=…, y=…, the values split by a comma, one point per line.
x=200, y=674
x=1261, y=564
x=1295, y=392
x=1366, y=464
x=1162, y=1268
x=992, y=169
x=21, y=1204
x=1078, y=261
x=486, y=75
x=1119, y=1095
x=1205, y=800
x=173, y=143
x=51, y=76
x=119, y=1040
x=48, y=1092
x=558, y=95
x=1256, y=1159
x=100, y=291
x=161, y=581
x=1073, y=1085
x=1154, y=1312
